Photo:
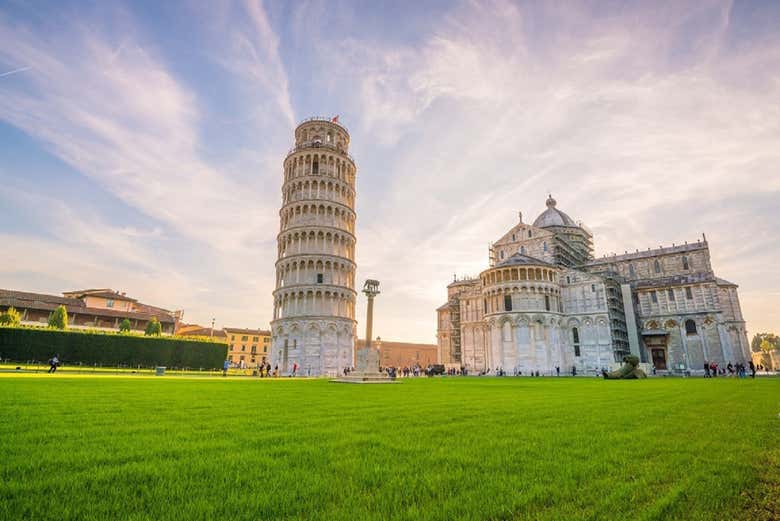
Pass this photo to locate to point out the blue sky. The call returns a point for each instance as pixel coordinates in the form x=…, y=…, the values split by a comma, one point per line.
x=141, y=143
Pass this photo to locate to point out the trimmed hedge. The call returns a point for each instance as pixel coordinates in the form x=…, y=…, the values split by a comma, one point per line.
x=23, y=344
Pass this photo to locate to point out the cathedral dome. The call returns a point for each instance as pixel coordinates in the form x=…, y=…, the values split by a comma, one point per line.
x=553, y=216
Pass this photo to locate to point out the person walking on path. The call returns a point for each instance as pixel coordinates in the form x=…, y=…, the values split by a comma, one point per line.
x=53, y=363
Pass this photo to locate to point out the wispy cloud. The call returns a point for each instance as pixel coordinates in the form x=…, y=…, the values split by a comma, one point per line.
x=650, y=123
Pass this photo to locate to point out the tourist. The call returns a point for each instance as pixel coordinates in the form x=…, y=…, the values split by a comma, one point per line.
x=53, y=363
x=714, y=369
x=706, y=370
x=752, y=369
x=295, y=369
x=557, y=370
x=574, y=370
x=225, y=367
x=730, y=368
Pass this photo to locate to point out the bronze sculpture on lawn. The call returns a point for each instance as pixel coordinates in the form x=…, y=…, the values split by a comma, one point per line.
x=629, y=371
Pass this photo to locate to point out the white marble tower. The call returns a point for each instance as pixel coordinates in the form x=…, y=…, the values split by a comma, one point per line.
x=314, y=299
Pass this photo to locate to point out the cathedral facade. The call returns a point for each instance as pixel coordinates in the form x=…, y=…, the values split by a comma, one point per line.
x=545, y=303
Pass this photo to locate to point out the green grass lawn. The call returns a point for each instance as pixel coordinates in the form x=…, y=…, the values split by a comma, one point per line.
x=113, y=447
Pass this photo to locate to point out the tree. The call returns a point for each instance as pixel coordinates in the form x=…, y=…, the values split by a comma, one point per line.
x=58, y=318
x=10, y=318
x=153, y=327
x=124, y=326
x=767, y=346
x=757, y=344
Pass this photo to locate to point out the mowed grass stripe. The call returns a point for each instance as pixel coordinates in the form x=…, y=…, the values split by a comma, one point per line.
x=459, y=448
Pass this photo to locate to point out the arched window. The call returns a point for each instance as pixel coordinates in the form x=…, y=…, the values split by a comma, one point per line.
x=544, y=245
x=631, y=271
x=575, y=339
x=508, y=302
x=685, y=263
x=530, y=234
x=315, y=167
x=657, y=266
x=547, y=302
x=690, y=327
x=501, y=254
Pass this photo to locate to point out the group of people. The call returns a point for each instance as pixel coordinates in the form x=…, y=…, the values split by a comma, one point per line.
x=263, y=369
x=711, y=369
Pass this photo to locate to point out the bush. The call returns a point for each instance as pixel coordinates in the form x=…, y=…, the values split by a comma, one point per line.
x=10, y=317
x=153, y=328
x=22, y=344
x=58, y=319
x=124, y=326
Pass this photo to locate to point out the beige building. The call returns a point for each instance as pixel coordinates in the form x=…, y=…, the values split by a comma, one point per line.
x=247, y=347
x=403, y=354
x=546, y=303
x=97, y=309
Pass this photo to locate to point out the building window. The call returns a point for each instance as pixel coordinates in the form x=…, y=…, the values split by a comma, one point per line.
x=254, y=350
x=631, y=271
x=654, y=297
x=110, y=303
x=530, y=234
x=265, y=349
x=690, y=327
x=484, y=305
x=688, y=293
x=657, y=266
x=547, y=302
x=241, y=358
x=319, y=278
x=685, y=263
x=243, y=348
x=508, y=302
x=232, y=337
x=522, y=250
x=513, y=237
x=670, y=291
x=575, y=338
x=593, y=288
x=315, y=167
x=254, y=339
x=244, y=338
x=501, y=254
x=568, y=280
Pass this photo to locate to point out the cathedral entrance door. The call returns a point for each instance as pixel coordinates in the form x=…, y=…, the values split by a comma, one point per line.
x=659, y=359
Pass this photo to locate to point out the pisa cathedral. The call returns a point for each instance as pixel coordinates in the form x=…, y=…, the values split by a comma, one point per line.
x=313, y=322
x=545, y=302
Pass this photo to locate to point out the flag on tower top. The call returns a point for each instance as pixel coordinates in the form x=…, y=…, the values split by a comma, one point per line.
x=335, y=119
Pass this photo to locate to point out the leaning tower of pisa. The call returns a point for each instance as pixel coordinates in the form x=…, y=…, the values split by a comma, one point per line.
x=314, y=301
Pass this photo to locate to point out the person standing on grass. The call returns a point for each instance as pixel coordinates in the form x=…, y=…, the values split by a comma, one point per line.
x=557, y=370
x=53, y=363
x=295, y=369
x=752, y=369
x=225, y=366
x=706, y=370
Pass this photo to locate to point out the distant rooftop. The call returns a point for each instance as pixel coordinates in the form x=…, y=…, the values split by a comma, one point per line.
x=675, y=248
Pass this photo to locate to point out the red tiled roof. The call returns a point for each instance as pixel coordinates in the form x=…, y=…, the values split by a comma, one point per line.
x=259, y=332
x=41, y=301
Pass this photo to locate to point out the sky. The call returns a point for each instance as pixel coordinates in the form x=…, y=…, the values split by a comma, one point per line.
x=141, y=143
